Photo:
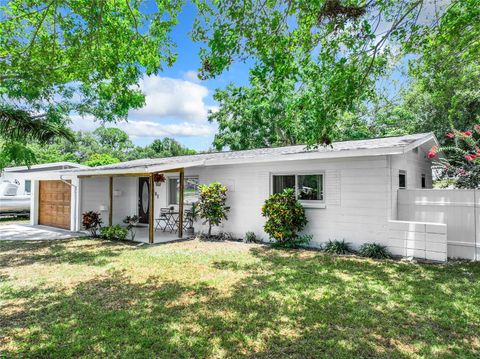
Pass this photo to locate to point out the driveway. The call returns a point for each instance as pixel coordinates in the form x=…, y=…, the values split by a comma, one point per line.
x=25, y=232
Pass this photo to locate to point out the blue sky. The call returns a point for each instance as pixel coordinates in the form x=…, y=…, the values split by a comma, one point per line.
x=177, y=102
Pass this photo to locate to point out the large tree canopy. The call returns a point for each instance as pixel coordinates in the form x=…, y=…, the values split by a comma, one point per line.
x=313, y=62
x=81, y=56
x=444, y=89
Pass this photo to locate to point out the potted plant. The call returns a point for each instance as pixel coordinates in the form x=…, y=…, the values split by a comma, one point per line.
x=92, y=222
x=131, y=222
x=159, y=178
x=193, y=215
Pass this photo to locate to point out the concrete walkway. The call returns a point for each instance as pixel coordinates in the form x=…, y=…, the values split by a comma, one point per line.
x=25, y=232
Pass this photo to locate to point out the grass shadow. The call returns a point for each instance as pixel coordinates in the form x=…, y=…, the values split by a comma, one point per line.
x=294, y=304
x=92, y=252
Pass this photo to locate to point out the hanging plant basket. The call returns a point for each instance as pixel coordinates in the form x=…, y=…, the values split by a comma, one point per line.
x=159, y=178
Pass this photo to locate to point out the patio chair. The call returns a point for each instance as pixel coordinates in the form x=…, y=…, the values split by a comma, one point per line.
x=164, y=219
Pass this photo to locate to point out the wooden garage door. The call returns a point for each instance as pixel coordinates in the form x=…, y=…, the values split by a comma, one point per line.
x=54, y=204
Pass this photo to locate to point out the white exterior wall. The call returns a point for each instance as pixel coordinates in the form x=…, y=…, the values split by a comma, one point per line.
x=415, y=163
x=93, y=195
x=356, y=197
x=125, y=198
x=34, y=203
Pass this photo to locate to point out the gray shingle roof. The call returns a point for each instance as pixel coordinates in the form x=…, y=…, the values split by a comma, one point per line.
x=266, y=153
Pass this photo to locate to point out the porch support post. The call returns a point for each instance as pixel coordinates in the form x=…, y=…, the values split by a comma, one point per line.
x=110, y=198
x=151, y=212
x=180, y=203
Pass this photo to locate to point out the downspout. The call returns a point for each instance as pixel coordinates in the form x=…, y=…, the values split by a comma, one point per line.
x=75, y=187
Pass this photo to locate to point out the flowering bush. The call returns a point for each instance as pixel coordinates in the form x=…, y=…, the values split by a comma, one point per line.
x=462, y=158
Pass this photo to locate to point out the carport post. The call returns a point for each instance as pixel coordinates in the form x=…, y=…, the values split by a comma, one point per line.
x=151, y=202
x=180, y=202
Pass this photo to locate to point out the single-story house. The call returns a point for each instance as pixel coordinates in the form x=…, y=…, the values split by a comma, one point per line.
x=349, y=189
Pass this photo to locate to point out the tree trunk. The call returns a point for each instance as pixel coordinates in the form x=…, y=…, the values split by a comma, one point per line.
x=209, y=229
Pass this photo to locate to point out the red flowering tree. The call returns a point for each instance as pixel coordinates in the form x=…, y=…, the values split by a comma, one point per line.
x=461, y=160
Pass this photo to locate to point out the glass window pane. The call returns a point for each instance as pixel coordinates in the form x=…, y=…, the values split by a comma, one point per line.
x=173, y=191
x=310, y=187
x=191, y=190
x=190, y=194
x=402, y=179
x=282, y=182
x=28, y=186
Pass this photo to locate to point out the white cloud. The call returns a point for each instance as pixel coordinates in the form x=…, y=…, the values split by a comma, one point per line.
x=174, y=107
x=191, y=75
x=172, y=98
x=155, y=129
x=143, y=128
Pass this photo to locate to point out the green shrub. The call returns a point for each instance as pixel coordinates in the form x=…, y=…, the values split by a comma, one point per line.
x=299, y=242
x=114, y=232
x=212, y=206
x=374, y=250
x=250, y=237
x=337, y=247
x=285, y=216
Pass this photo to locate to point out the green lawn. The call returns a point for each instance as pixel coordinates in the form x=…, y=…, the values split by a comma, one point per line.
x=203, y=299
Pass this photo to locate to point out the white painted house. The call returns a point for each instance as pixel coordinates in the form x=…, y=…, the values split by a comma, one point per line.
x=356, y=185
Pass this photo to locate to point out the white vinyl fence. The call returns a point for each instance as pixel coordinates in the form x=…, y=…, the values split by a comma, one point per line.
x=458, y=209
x=418, y=239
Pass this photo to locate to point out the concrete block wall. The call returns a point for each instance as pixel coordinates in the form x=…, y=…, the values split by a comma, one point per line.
x=422, y=240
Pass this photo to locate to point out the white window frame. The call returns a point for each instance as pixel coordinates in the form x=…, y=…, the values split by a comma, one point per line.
x=177, y=178
x=306, y=204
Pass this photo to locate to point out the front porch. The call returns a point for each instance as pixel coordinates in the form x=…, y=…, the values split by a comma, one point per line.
x=142, y=235
x=117, y=196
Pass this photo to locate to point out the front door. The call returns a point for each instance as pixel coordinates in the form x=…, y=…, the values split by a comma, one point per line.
x=143, y=199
